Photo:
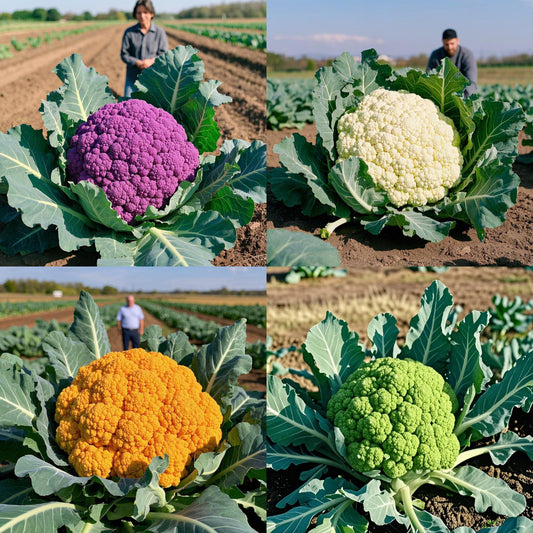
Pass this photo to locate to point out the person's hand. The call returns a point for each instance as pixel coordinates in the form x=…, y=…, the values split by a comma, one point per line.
x=145, y=63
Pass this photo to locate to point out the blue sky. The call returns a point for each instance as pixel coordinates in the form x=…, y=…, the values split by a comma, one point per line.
x=397, y=28
x=103, y=6
x=146, y=278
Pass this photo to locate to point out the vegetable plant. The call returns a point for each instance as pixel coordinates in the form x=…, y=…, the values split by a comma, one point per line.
x=249, y=40
x=295, y=248
x=401, y=149
x=288, y=103
x=386, y=420
x=509, y=332
x=303, y=272
x=159, y=438
x=133, y=179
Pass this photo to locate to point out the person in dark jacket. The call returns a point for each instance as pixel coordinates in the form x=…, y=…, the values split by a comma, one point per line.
x=141, y=43
x=460, y=56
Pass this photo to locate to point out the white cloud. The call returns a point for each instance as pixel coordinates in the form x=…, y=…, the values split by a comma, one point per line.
x=328, y=38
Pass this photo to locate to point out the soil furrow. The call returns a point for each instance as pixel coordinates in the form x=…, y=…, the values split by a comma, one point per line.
x=251, y=59
x=27, y=81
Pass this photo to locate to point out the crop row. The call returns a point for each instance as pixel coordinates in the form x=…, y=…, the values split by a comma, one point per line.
x=35, y=42
x=289, y=103
x=193, y=327
x=249, y=40
x=254, y=314
x=522, y=94
x=198, y=329
x=108, y=314
x=27, y=342
x=260, y=26
x=22, y=308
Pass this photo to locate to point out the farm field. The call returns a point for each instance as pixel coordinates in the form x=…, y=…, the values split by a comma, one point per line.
x=357, y=298
x=364, y=293
x=27, y=78
x=509, y=244
x=64, y=314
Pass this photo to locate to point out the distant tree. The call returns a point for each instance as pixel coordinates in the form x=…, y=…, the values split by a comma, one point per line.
x=87, y=15
x=5, y=16
x=39, y=13
x=113, y=14
x=10, y=285
x=311, y=65
x=22, y=14
x=108, y=289
x=232, y=10
x=53, y=15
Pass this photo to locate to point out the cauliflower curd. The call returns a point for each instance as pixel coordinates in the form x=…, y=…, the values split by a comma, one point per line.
x=126, y=408
x=396, y=415
x=136, y=152
x=412, y=150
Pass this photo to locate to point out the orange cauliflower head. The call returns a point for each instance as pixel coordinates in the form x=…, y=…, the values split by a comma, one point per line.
x=126, y=408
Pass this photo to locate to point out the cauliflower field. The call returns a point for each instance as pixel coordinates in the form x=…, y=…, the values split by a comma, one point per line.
x=322, y=177
x=242, y=74
x=160, y=438
x=357, y=432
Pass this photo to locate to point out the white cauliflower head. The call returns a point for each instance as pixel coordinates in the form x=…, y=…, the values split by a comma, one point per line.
x=412, y=150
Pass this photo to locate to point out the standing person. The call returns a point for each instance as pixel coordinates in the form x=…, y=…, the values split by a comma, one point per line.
x=141, y=43
x=130, y=320
x=461, y=57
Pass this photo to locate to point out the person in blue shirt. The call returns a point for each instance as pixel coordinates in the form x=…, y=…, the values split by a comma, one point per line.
x=141, y=43
x=130, y=320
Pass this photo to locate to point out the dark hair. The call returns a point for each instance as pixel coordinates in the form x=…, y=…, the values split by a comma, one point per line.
x=446, y=34
x=147, y=4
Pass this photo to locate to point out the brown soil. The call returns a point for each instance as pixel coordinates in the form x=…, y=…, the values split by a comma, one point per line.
x=61, y=315
x=27, y=78
x=511, y=244
x=472, y=288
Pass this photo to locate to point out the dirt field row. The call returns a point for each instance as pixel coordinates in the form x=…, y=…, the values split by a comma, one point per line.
x=27, y=77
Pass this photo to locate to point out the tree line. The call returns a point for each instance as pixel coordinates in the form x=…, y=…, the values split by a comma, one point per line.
x=34, y=286
x=232, y=10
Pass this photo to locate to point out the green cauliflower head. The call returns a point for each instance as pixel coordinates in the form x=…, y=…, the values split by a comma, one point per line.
x=396, y=415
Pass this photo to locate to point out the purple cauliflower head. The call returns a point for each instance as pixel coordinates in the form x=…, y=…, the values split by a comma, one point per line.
x=137, y=153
